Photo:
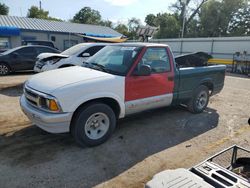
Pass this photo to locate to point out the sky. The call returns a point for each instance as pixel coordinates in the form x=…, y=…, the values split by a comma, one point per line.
x=113, y=10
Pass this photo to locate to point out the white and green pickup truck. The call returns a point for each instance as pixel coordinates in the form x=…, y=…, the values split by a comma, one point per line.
x=119, y=80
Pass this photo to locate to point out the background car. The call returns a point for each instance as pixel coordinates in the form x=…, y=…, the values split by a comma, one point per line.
x=21, y=58
x=75, y=55
x=38, y=42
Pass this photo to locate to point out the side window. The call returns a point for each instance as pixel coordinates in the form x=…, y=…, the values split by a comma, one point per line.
x=53, y=38
x=43, y=50
x=157, y=59
x=93, y=50
x=26, y=52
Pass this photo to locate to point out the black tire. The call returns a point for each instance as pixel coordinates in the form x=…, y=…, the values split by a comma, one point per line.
x=4, y=69
x=199, y=100
x=80, y=124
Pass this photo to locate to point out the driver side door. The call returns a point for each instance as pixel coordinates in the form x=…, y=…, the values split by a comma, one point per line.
x=154, y=90
x=24, y=58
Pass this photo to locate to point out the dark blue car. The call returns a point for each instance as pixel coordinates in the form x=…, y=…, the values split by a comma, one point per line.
x=22, y=58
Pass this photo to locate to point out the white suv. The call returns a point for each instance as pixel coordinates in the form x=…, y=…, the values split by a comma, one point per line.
x=75, y=55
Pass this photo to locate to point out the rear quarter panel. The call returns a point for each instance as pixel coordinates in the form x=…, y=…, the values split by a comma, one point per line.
x=190, y=78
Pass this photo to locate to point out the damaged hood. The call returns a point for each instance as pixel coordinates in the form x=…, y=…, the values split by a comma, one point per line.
x=48, y=55
x=49, y=81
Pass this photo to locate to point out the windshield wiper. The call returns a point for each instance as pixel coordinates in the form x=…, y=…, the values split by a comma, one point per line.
x=102, y=67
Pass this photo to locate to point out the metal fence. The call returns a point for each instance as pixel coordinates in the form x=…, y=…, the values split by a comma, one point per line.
x=220, y=47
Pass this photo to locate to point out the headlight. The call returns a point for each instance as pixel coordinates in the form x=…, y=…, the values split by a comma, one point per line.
x=50, y=104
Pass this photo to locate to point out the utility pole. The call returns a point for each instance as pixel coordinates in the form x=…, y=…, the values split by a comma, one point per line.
x=184, y=2
x=40, y=5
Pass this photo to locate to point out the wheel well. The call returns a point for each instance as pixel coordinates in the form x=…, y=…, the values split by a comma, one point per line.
x=67, y=65
x=210, y=86
x=7, y=64
x=112, y=103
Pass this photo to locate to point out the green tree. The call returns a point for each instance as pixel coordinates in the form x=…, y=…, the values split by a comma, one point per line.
x=240, y=24
x=210, y=19
x=193, y=29
x=123, y=29
x=187, y=11
x=216, y=17
x=87, y=16
x=106, y=23
x=151, y=20
x=169, y=26
x=133, y=24
x=4, y=9
x=35, y=12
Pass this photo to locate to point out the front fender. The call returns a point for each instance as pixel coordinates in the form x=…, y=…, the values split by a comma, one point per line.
x=87, y=98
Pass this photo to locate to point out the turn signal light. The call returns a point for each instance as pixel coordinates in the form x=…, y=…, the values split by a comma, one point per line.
x=53, y=105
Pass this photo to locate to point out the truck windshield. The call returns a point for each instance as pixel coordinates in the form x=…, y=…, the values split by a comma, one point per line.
x=115, y=59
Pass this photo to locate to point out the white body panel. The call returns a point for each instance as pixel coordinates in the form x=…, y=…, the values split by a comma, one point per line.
x=76, y=85
x=73, y=86
x=46, y=55
x=74, y=59
x=71, y=60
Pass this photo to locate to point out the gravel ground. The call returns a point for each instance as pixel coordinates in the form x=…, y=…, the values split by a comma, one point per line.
x=142, y=145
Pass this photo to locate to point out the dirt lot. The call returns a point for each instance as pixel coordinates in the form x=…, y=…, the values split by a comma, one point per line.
x=142, y=145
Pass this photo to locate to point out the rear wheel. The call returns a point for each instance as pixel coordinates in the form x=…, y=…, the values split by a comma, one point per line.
x=4, y=69
x=93, y=124
x=200, y=100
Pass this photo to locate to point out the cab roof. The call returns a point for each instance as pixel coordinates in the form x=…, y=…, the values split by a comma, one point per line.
x=139, y=44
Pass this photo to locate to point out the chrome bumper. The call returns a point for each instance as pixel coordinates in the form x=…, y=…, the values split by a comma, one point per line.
x=50, y=122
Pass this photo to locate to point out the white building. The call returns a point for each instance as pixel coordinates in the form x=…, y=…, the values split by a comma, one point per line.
x=14, y=30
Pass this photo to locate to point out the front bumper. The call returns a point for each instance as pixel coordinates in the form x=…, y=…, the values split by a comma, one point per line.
x=50, y=122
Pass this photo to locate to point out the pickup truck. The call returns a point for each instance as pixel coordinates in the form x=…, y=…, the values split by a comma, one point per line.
x=119, y=80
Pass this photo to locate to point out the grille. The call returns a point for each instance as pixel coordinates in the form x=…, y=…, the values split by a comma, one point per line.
x=38, y=99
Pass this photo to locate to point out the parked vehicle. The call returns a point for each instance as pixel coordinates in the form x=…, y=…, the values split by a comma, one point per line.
x=75, y=55
x=21, y=58
x=228, y=168
x=38, y=42
x=119, y=80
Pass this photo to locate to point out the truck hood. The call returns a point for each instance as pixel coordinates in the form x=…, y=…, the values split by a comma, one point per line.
x=48, y=55
x=49, y=81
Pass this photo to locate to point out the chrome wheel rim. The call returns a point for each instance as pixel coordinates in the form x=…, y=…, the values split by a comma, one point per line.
x=97, y=126
x=3, y=69
x=201, y=100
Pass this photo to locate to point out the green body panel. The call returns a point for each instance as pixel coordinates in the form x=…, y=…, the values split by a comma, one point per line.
x=188, y=79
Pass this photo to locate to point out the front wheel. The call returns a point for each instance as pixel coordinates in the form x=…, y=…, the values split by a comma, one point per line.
x=199, y=100
x=4, y=69
x=93, y=124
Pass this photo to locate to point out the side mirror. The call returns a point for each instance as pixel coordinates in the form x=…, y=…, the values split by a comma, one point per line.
x=15, y=55
x=144, y=70
x=85, y=55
